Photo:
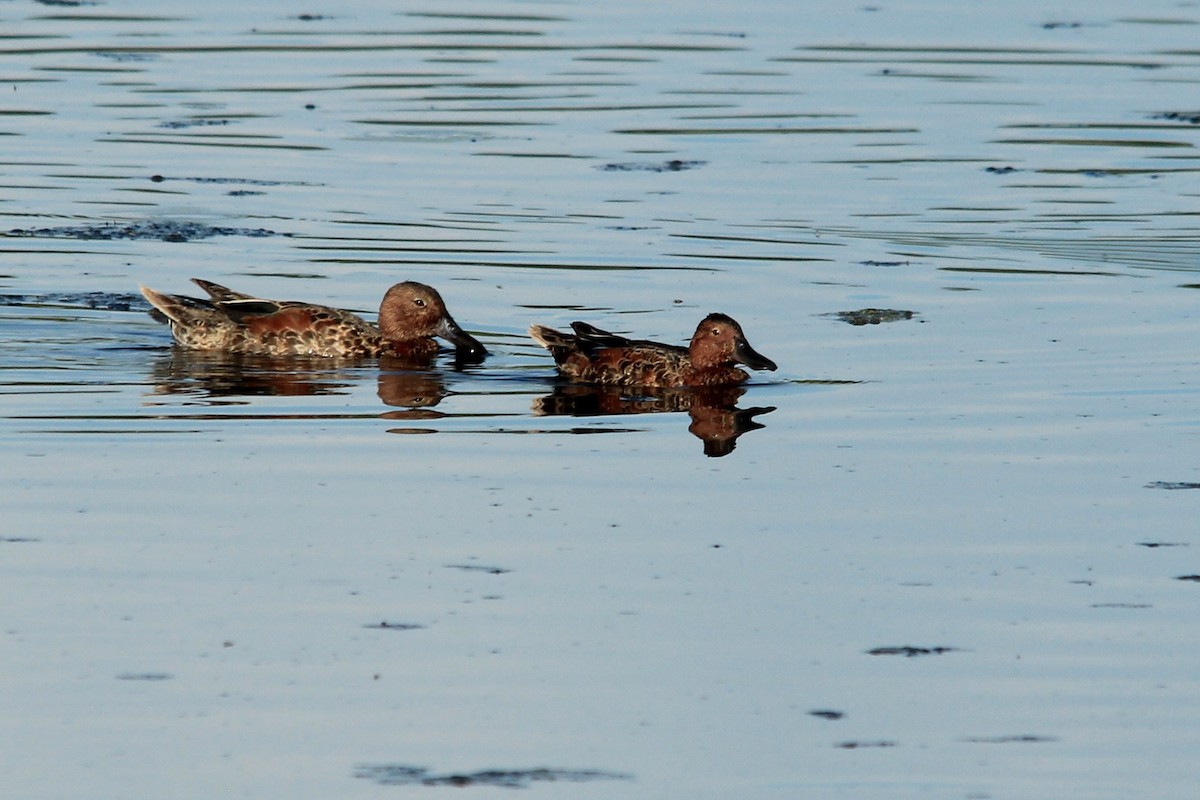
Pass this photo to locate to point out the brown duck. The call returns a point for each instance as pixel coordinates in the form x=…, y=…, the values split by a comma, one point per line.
x=592, y=355
x=410, y=315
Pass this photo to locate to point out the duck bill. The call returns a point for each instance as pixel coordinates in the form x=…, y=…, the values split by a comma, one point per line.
x=466, y=345
x=751, y=357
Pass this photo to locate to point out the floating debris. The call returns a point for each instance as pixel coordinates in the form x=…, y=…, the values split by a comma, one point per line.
x=145, y=676
x=1019, y=738
x=479, y=568
x=394, y=626
x=873, y=316
x=404, y=775
x=245, y=181
x=103, y=301
x=1001, y=170
x=825, y=713
x=1190, y=117
x=1172, y=485
x=123, y=56
x=909, y=651
x=178, y=124
x=1193, y=578
x=157, y=230
x=674, y=165
x=859, y=745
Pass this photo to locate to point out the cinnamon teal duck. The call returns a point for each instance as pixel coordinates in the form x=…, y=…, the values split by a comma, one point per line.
x=592, y=355
x=410, y=315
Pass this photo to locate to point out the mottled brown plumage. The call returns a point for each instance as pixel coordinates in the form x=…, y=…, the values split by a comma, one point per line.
x=410, y=315
x=592, y=355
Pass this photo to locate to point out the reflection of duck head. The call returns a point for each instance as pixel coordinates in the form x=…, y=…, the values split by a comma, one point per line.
x=219, y=374
x=719, y=427
x=415, y=391
x=716, y=419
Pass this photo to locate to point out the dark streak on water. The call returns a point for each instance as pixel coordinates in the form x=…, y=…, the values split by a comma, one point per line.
x=162, y=230
x=107, y=301
x=908, y=651
x=404, y=775
x=394, y=626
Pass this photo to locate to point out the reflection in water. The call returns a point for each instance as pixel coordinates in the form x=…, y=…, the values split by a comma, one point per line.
x=219, y=374
x=535, y=153
x=415, y=392
x=412, y=391
x=716, y=419
x=227, y=375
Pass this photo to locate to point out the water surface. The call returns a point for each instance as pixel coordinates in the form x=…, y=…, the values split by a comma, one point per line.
x=945, y=553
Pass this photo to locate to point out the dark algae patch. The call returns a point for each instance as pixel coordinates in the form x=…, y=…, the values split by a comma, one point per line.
x=1190, y=117
x=404, y=775
x=216, y=180
x=145, y=676
x=673, y=166
x=873, y=316
x=826, y=713
x=479, y=568
x=1172, y=485
x=146, y=230
x=908, y=651
x=180, y=124
x=103, y=301
x=394, y=626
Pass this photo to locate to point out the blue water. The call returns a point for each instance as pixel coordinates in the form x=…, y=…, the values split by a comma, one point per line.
x=964, y=539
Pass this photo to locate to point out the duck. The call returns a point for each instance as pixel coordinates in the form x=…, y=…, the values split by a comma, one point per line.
x=591, y=355
x=410, y=316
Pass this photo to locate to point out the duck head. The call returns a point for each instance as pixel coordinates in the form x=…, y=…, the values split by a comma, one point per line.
x=719, y=341
x=412, y=310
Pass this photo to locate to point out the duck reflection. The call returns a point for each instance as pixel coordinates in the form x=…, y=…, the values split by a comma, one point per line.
x=716, y=419
x=406, y=385
x=415, y=393
x=218, y=374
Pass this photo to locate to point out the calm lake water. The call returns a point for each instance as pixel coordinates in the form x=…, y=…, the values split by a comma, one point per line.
x=948, y=553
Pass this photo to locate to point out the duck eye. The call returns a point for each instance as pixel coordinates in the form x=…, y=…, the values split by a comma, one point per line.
x=419, y=303
x=716, y=331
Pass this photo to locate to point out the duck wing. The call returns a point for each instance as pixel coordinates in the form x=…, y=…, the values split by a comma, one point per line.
x=591, y=339
x=239, y=305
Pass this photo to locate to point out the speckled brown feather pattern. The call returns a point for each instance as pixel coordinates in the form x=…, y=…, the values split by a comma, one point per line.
x=410, y=315
x=592, y=355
